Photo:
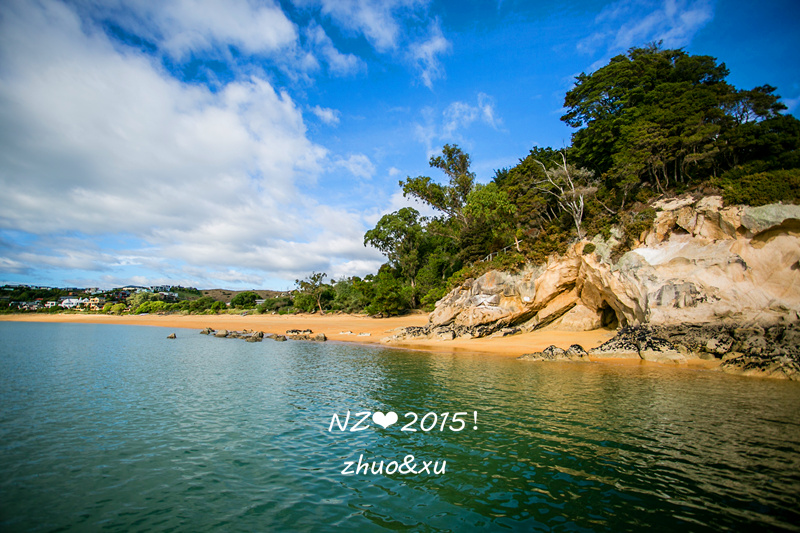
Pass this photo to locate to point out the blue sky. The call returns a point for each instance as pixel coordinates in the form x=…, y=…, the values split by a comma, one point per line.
x=247, y=143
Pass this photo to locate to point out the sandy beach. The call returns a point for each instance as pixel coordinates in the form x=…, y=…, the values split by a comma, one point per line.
x=342, y=327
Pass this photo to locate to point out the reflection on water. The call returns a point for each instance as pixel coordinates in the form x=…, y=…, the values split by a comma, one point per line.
x=114, y=427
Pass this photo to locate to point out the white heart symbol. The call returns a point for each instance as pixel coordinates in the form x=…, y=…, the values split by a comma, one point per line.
x=384, y=420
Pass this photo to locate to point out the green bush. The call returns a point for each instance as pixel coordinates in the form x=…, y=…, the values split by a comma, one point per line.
x=391, y=296
x=245, y=300
x=760, y=188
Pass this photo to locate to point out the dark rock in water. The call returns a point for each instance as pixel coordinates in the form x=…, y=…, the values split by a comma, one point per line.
x=551, y=353
x=576, y=351
x=172, y=336
x=306, y=335
x=770, y=352
x=452, y=331
x=639, y=342
x=207, y=331
x=221, y=333
x=279, y=338
x=255, y=336
x=623, y=345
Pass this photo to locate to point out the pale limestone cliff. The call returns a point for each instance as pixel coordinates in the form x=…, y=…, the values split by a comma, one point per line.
x=700, y=263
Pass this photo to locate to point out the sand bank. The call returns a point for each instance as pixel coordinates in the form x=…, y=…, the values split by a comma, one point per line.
x=353, y=328
x=337, y=327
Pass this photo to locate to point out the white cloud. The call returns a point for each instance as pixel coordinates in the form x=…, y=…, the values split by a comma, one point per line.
x=358, y=165
x=99, y=142
x=375, y=19
x=457, y=117
x=326, y=115
x=624, y=24
x=339, y=64
x=791, y=104
x=185, y=26
x=389, y=26
x=425, y=55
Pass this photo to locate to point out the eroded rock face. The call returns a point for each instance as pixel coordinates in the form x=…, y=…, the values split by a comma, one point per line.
x=699, y=263
x=765, y=352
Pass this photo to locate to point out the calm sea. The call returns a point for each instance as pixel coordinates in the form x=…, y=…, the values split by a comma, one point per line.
x=116, y=428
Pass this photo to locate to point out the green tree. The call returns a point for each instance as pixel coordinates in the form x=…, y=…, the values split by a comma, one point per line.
x=136, y=301
x=245, y=300
x=390, y=296
x=351, y=295
x=314, y=288
x=490, y=205
x=448, y=199
x=656, y=115
x=400, y=237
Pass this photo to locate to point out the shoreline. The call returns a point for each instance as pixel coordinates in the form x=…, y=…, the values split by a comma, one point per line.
x=366, y=330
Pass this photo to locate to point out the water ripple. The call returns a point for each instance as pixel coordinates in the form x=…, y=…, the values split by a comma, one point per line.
x=114, y=428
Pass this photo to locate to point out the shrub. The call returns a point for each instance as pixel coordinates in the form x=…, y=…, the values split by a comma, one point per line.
x=760, y=188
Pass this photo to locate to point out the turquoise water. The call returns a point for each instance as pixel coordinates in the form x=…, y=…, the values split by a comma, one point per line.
x=116, y=428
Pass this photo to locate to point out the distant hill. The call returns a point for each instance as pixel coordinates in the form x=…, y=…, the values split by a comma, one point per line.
x=226, y=295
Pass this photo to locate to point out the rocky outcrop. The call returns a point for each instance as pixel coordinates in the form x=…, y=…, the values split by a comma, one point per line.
x=768, y=352
x=258, y=336
x=554, y=353
x=699, y=263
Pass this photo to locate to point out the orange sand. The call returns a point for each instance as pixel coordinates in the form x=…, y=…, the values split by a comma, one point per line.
x=336, y=328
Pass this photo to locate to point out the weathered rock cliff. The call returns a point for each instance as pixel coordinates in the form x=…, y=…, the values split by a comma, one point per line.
x=699, y=263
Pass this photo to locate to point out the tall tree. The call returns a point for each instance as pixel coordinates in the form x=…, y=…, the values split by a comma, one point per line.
x=448, y=199
x=654, y=115
x=315, y=287
x=399, y=236
x=489, y=205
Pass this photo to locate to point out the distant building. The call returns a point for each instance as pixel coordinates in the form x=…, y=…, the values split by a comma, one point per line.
x=135, y=288
x=72, y=303
x=96, y=303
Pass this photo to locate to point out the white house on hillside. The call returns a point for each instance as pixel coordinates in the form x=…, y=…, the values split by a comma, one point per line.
x=71, y=303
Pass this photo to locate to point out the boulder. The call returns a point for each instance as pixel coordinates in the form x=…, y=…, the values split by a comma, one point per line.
x=766, y=217
x=171, y=336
